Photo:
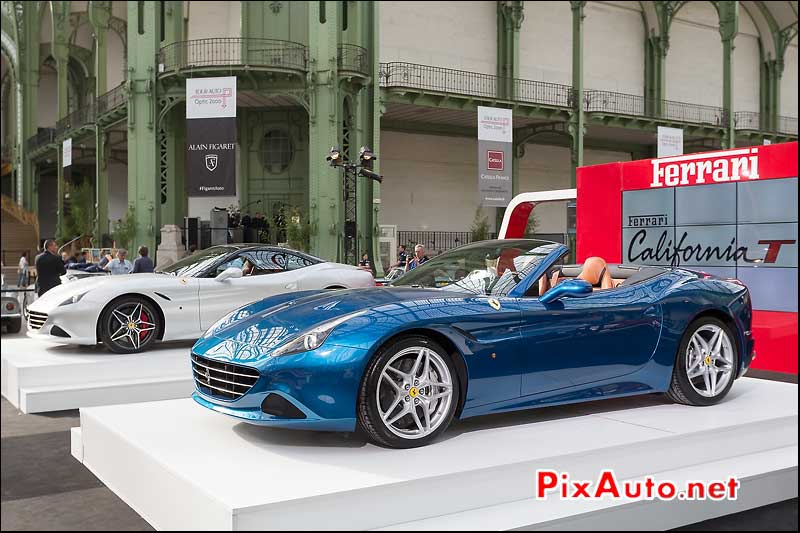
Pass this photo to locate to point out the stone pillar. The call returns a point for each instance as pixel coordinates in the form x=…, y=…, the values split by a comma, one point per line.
x=170, y=250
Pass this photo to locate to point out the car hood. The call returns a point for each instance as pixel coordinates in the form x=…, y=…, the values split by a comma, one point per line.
x=60, y=293
x=253, y=330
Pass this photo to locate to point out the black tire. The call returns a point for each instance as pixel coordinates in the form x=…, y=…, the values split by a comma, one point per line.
x=369, y=418
x=681, y=389
x=110, y=325
x=14, y=325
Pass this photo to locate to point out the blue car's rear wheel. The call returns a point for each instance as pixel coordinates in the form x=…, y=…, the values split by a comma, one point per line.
x=409, y=393
x=706, y=363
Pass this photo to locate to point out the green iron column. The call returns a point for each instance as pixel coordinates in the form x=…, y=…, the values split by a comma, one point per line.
x=510, y=15
x=375, y=111
x=99, y=15
x=171, y=125
x=728, y=28
x=61, y=33
x=28, y=72
x=775, y=93
x=577, y=125
x=655, y=79
x=143, y=155
x=324, y=182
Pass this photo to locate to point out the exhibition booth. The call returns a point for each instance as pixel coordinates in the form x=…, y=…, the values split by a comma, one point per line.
x=730, y=213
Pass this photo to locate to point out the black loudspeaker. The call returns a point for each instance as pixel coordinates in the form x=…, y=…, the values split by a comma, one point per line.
x=191, y=226
x=350, y=229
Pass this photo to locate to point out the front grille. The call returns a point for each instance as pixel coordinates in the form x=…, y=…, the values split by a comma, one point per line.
x=222, y=380
x=36, y=320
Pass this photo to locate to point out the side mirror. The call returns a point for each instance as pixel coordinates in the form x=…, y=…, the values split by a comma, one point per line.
x=229, y=273
x=572, y=288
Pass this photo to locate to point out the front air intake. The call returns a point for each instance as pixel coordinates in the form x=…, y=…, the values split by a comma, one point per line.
x=218, y=379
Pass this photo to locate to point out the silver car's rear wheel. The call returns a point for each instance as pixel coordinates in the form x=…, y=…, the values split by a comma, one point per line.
x=414, y=393
x=129, y=325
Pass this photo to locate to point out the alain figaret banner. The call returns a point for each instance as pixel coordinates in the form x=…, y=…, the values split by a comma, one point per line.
x=211, y=136
x=495, y=138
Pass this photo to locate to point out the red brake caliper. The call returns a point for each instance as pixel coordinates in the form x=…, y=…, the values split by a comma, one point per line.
x=143, y=334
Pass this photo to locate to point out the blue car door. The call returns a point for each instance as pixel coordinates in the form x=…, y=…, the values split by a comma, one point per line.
x=574, y=341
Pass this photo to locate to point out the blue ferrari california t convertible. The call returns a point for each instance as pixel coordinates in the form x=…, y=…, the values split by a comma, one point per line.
x=489, y=327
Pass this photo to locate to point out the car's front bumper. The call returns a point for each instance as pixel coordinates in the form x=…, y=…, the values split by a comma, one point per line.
x=76, y=324
x=254, y=415
x=321, y=385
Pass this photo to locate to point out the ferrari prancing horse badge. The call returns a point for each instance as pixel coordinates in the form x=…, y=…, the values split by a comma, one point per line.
x=495, y=303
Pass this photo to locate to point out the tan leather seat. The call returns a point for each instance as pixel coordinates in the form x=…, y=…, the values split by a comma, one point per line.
x=595, y=272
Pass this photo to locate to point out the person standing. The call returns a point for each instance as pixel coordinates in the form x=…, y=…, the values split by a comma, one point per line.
x=120, y=265
x=22, y=270
x=143, y=263
x=418, y=258
x=49, y=268
x=402, y=257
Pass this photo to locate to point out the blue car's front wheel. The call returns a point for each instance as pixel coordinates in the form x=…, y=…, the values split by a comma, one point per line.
x=409, y=393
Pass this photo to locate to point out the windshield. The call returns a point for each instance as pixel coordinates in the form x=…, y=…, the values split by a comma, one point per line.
x=198, y=262
x=489, y=268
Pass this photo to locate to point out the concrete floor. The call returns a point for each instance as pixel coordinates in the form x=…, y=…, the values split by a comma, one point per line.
x=44, y=488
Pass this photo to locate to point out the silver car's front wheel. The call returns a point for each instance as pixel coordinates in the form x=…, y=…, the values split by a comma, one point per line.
x=409, y=393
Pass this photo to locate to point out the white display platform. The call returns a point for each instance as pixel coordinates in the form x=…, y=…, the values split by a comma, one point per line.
x=38, y=376
x=181, y=466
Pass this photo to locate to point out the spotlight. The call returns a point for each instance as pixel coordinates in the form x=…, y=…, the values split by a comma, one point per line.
x=334, y=157
x=366, y=154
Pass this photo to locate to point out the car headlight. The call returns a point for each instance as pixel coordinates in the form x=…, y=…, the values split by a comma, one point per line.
x=312, y=339
x=73, y=299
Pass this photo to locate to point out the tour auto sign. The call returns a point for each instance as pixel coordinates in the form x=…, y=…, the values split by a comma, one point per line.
x=211, y=136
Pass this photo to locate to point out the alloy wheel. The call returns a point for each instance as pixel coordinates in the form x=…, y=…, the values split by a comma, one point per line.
x=414, y=392
x=131, y=325
x=709, y=360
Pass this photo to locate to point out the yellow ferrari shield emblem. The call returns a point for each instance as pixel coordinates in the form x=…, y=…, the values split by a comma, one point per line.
x=495, y=303
x=184, y=281
x=708, y=360
x=414, y=392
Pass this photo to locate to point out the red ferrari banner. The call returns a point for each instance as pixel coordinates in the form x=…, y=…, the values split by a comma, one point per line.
x=731, y=213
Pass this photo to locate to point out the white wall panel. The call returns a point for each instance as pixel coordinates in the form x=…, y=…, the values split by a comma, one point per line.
x=214, y=19
x=119, y=8
x=117, y=191
x=47, y=98
x=746, y=68
x=694, y=60
x=46, y=24
x=545, y=42
x=613, y=47
x=788, y=105
x=115, y=60
x=431, y=181
x=458, y=35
